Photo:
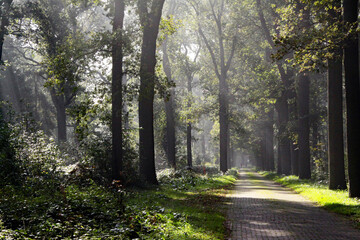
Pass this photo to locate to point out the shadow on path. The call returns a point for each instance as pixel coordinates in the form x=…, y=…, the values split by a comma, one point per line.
x=261, y=209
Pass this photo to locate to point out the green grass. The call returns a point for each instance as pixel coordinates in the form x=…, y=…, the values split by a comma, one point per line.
x=337, y=201
x=188, y=206
x=195, y=211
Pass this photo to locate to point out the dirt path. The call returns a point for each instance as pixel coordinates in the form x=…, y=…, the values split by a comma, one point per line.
x=261, y=209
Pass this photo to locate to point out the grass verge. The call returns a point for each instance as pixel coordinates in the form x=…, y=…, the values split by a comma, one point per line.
x=337, y=201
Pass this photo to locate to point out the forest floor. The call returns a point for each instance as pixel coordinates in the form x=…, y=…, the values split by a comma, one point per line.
x=262, y=209
x=185, y=205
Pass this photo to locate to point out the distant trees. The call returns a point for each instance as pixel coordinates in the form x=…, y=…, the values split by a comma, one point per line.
x=222, y=49
x=62, y=53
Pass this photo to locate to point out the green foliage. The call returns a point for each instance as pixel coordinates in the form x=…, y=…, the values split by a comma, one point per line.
x=97, y=212
x=10, y=169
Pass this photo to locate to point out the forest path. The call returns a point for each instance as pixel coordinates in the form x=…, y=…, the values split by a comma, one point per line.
x=262, y=209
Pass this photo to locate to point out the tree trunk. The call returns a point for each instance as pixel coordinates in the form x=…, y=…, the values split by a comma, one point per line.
x=4, y=24
x=188, y=145
x=294, y=148
x=304, y=127
x=284, y=142
x=170, y=115
x=224, y=124
x=117, y=102
x=263, y=158
x=150, y=23
x=61, y=118
x=270, y=142
x=203, y=147
x=337, y=179
x=189, y=127
x=335, y=125
x=351, y=66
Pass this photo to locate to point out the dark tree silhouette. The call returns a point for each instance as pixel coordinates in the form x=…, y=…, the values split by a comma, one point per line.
x=150, y=20
x=351, y=67
x=117, y=74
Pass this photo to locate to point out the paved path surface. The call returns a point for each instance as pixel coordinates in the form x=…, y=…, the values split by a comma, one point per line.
x=261, y=209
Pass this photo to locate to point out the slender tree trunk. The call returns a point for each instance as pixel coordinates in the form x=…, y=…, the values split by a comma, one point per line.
x=117, y=102
x=4, y=23
x=170, y=115
x=284, y=142
x=203, y=147
x=270, y=142
x=351, y=66
x=294, y=148
x=229, y=151
x=188, y=145
x=263, y=158
x=150, y=23
x=61, y=118
x=224, y=124
x=304, y=127
x=189, y=127
x=335, y=125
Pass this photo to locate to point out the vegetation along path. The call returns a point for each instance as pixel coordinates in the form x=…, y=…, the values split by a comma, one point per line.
x=261, y=209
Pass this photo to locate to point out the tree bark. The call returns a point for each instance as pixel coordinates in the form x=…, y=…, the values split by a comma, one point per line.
x=269, y=133
x=189, y=126
x=284, y=142
x=117, y=102
x=170, y=115
x=224, y=124
x=304, y=126
x=351, y=67
x=150, y=23
x=336, y=164
x=335, y=124
x=4, y=23
x=61, y=118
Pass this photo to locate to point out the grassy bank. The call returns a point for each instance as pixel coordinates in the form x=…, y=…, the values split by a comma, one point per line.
x=333, y=200
x=184, y=206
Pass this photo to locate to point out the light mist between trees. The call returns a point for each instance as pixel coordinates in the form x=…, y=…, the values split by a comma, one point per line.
x=209, y=84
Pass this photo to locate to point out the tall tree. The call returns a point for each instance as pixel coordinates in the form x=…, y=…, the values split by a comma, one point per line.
x=221, y=63
x=304, y=127
x=117, y=74
x=335, y=110
x=150, y=14
x=282, y=107
x=169, y=110
x=170, y=143
x=351, y=67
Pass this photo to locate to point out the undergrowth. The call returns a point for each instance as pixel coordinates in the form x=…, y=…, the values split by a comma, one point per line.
x=337, y=201
x=185, y=205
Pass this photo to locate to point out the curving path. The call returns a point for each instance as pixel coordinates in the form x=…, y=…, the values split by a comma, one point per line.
x=260, y=209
